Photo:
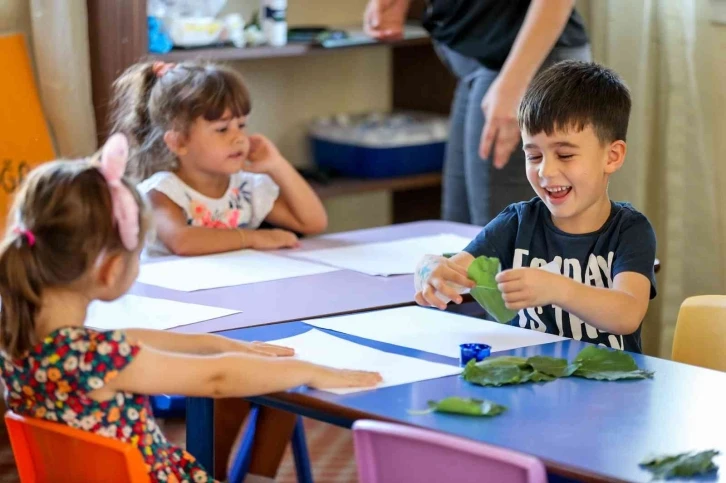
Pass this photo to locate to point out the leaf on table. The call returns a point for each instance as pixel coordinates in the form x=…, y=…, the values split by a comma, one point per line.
x=530, y=375
x=614, y=375
x=592, y=363
x=607, y=365
x=552, y=366
x=497, y=371
x=466, y=406
x=682, y=465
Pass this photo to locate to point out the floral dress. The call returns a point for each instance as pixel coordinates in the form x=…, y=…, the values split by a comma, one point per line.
x=246, y=203
x=53, y=383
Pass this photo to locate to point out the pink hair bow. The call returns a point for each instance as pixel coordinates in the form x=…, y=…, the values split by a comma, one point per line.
x=114, y=156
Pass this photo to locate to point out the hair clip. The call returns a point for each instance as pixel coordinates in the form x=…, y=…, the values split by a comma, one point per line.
x=25, y=233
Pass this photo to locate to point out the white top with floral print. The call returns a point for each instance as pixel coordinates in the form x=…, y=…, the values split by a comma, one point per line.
x=246, y=203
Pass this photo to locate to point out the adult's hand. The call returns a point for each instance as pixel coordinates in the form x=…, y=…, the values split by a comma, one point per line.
x=384, y=19
x=542, y=25
x=500, y=136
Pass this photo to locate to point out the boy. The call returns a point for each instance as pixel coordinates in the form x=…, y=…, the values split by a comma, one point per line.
x=573, y=118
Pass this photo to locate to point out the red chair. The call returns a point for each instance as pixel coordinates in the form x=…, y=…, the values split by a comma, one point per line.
x=47, y=452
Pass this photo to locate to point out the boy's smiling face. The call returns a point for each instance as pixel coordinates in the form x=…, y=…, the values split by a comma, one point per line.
x=569, y=171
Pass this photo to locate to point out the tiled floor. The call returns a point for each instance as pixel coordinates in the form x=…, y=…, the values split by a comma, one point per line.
x=330, y=447
x=331, y=453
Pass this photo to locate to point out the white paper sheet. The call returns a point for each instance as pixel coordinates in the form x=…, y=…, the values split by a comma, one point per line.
x=387, y=258
x=225, y=270
x=135, y=311
x=325, y=349
x=431, y=330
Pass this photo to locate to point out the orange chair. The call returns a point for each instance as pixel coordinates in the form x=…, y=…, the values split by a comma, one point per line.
x=47, y=452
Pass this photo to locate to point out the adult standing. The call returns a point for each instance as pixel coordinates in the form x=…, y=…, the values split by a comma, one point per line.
x=494, y=48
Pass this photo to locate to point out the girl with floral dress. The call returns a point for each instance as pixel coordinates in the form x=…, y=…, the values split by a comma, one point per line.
x=77, y=229
x=209, y=183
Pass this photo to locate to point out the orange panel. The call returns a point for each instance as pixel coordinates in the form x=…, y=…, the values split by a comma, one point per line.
x=25, y=141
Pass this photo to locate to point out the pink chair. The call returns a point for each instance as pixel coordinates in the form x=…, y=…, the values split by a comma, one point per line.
x=393, y=453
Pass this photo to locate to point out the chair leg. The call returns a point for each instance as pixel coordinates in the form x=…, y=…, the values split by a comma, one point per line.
x=243, y=458
x=300, y=452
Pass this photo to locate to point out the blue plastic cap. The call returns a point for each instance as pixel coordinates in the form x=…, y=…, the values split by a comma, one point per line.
x=475, y=351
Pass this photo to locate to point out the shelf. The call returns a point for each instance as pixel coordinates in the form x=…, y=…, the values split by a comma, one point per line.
x=297, y=49
x=351, y=186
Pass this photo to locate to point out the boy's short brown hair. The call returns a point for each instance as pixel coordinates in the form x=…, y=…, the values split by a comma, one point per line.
x=574, y=94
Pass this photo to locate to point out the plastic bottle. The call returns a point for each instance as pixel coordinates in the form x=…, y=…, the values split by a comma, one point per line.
x=273, y=17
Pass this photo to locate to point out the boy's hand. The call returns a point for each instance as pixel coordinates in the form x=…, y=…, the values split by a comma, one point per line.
x=263, y=157
x=524, y=288
x=439, y=280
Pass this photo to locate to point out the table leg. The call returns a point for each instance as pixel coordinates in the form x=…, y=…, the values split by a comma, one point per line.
x=273, y=432
x=200, y=430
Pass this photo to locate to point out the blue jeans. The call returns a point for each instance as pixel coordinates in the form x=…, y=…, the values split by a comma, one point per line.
x=473, y=190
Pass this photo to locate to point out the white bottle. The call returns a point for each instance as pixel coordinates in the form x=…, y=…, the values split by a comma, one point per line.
x=273, y=18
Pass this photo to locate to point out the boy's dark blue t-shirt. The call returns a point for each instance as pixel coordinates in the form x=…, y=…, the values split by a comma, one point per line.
x=523, y=235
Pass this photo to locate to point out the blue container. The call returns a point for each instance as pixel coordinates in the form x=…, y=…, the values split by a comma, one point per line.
x=365, y=162
x=475, y=351
x=379, y=145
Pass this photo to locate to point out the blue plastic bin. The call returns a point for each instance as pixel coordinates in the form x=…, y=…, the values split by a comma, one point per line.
x=379, y=145
x=363, y=162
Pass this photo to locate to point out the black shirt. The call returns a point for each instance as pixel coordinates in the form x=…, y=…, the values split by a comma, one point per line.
x=523, y=235
x=485, y=29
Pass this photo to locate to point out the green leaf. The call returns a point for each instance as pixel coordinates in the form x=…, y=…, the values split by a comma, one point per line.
x=497, y=371
x=467, y=406
x=530, y=375
x=500, y=361
x=614, y=375
x=682, y=465
x=494, y=375
x=607, y=365
x=491, y=300
x=552, y=366
x=591, y=363
x=602, y=359
x=483, y=271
